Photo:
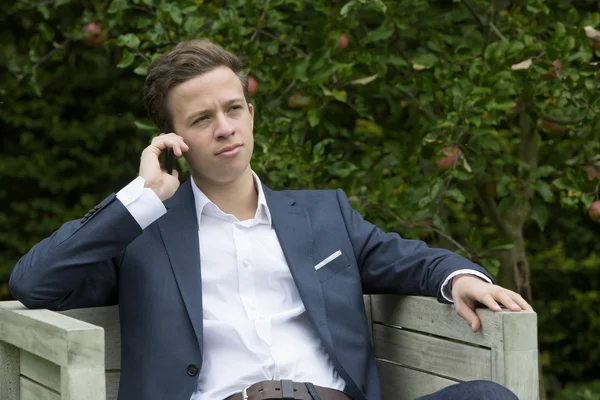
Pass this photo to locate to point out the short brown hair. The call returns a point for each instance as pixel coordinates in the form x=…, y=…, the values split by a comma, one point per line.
x=185, y=61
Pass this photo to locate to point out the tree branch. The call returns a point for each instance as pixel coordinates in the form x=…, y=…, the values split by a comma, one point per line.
x=402, y=222
x=263, y=16
x=483, y=22
x=46, y=57
x=297, y=49
x=427, y=110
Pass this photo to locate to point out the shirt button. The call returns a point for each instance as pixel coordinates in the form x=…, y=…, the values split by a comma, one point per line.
x=246, y=264
x=192, y=370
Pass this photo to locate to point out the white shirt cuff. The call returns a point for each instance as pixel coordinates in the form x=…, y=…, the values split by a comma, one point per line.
x=142, y=203
x=447, y=292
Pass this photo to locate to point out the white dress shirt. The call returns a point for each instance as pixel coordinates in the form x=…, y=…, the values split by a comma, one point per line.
x=255, y=325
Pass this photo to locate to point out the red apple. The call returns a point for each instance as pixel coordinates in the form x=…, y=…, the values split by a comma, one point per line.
x=342, y=42
x=554, y=72
x=594, y=211
x=298, y=100
x=592, y=172
x=552, y=127
x=452, y=155
x=252, y=85
x=95, y=34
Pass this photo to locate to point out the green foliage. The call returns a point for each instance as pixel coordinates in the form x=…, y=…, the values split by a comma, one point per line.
x=417, y=77
x=583, y=391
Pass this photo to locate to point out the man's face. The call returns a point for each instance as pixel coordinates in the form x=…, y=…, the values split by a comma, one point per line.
x=214, y=119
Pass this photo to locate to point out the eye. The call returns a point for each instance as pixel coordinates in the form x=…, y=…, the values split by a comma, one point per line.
x=235, y=107
x=201, y=119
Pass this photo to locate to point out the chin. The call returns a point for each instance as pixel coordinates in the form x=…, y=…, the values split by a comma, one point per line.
x=221, y=176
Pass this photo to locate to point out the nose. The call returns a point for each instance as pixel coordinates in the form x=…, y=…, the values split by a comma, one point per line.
x=225, y=128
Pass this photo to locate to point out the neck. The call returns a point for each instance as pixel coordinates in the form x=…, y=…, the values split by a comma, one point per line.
x=239, y=197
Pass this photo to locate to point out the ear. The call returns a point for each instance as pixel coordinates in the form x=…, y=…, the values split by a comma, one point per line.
x=251, y=110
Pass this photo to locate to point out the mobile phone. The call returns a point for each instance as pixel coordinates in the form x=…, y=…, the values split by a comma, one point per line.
x=168, y=161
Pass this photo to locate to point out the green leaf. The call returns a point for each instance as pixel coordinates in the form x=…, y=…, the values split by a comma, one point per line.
x=492, y=265
x=126, y=60
x=129, y=40
x=396, y=61
x=456, y=194
x=339, y=95
x=505, y=105
x=141, y=70
x=346, y=8
x=144, y=126
x=559, y=29
x=379, y=5
x=384, y=32
x=424, y=201
x=573, y=16
x=505, y=204
x=365, y=80
x=273, y=48
x=539, y=213
x=474, y=239
x=544, y=190
x=365, y=126
x=515, y=46
x=543, y=171
x=561, y=184
x=500, y=244
x=436, y=188
x=174, y=12
x=314, y=117
x=424, y=61
x=502, y=247
x=117, y=6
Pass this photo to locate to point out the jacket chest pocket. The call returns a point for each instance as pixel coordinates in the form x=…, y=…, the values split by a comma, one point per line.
x=332, y=265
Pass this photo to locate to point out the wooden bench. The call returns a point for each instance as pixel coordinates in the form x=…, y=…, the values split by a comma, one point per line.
x=421, y=346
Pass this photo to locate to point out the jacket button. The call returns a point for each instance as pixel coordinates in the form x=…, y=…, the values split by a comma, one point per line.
x=192, y=370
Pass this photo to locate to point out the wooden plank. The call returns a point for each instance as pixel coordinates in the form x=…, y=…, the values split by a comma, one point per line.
x=107, y=318
x=50, y=335
x=31, y=390
x=9, y=372
x=40, y=370
x=83, y=383
x=521, y=355
x=367, y=300
x=426, y=314
x=112, y=385
x=401, y=383
x=450, y=359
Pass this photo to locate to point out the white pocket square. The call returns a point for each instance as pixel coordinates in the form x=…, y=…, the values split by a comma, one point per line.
x=328, y=260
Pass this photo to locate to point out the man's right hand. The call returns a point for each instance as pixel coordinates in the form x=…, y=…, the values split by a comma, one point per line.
x=157, y=179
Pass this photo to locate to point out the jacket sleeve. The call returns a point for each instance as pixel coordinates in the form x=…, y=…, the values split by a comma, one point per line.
x=77, y=265
x=391, y=264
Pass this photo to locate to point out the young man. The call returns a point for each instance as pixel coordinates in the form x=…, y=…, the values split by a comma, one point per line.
x=224, y=284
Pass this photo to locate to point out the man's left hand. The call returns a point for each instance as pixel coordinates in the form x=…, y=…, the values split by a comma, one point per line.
x=468, y=290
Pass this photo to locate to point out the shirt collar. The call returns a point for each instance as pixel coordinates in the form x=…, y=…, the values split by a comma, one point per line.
x=206, y=207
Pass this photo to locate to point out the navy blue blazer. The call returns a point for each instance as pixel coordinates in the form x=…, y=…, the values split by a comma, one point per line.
x=106, y=259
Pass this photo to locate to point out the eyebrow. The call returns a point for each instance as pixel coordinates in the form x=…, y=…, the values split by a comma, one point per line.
x=196, y=114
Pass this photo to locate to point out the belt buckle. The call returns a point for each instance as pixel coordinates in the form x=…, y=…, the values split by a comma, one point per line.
x=245, y=393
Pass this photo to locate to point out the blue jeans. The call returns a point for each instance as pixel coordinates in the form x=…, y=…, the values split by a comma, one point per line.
x=473, y=390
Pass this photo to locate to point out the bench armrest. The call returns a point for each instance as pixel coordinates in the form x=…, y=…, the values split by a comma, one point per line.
x=45, y=354
x=419, y=333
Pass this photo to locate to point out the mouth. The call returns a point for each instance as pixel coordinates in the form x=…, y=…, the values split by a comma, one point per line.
x=230, y=150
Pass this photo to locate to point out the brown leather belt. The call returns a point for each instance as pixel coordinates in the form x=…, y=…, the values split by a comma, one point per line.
x=286, y=389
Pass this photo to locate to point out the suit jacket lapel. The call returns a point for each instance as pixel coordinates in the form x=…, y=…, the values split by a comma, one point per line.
x=293, y=228
x=179, y=231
